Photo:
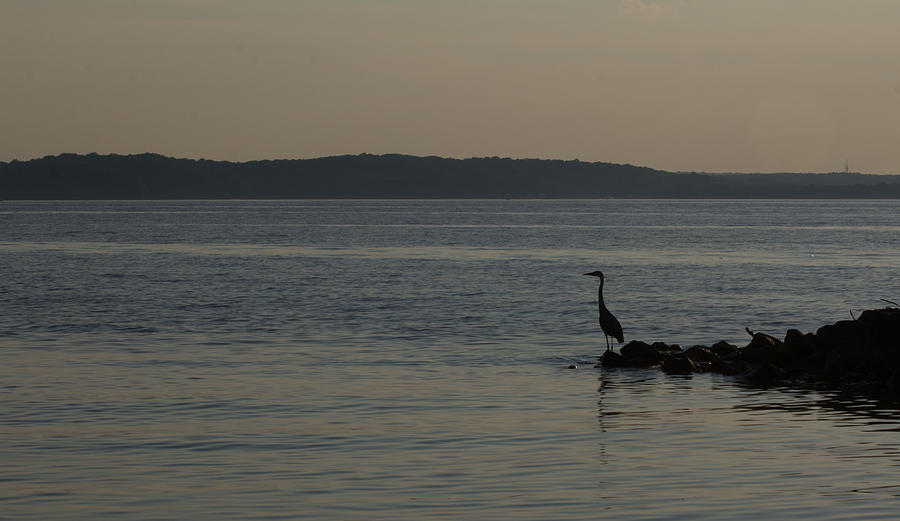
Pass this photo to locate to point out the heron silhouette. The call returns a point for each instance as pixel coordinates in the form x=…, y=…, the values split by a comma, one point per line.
x=608, y=322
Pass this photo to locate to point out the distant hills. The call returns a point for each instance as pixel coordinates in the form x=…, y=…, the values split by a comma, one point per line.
x=152, y=176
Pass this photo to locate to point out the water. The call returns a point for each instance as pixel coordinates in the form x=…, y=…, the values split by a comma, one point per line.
x=409, y=360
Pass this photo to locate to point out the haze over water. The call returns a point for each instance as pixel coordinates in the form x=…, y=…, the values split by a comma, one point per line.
x=409, y=360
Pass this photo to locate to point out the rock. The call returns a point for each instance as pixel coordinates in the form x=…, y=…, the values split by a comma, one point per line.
x=762, y=340
x=679, y=365
x=763, y=351
x=887, y=317
x=666, y=349
x=766, y=373
x=860, y=355
x=732, y=365
x=793, y=336
x=700, y=354
x=845, y=334
x=882, y=332
x=800, y=343
x=834, y=367
x=640, y=354
x=612, y=359
x=723, y=348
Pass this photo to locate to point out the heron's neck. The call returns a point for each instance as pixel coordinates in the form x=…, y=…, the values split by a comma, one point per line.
x=600, y=293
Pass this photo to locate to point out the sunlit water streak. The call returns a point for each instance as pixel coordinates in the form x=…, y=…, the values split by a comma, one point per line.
x=408, y=360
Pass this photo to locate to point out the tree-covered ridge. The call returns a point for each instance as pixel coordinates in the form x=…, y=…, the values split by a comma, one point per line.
x=152, y=176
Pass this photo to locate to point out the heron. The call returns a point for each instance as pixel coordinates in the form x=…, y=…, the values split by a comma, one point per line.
x=608, y=322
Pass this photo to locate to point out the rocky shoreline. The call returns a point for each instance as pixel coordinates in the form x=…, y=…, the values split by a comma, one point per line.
x=860, y=355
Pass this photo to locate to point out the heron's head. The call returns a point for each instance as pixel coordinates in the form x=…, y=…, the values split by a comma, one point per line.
x=595, y=274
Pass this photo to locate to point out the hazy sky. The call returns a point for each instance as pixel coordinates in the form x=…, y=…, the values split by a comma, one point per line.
x=704, y=85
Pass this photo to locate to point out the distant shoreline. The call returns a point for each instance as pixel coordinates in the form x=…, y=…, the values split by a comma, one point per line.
x=392, y=176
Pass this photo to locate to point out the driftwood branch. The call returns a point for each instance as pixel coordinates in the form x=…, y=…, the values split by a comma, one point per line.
x=890, y=302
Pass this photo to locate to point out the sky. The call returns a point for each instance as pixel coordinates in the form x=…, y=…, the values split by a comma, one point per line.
x=679, y=85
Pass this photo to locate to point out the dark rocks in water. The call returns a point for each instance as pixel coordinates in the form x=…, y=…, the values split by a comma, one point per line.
x=730, y=365
x=801, y=343
x=640, y=354
x=845, y=333
x=723, y=348
x=861, y=354
x=665, y=349
x=882, y=331
x=612, y=359
x=679, y=365
x=766, y=373
x=700, y=354
x=763, y=341
x=882, y=324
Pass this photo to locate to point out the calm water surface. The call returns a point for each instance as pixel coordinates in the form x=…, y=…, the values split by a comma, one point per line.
x=409, y=360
